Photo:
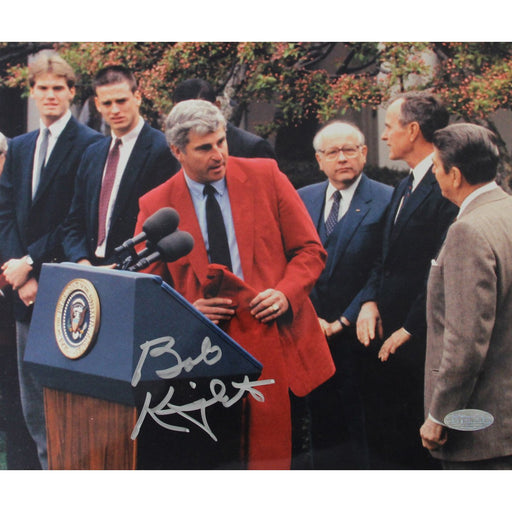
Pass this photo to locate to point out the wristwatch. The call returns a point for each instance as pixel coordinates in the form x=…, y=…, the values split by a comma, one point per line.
x=29, y=260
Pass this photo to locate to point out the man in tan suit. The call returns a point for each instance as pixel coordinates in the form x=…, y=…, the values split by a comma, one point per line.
x=468, y=389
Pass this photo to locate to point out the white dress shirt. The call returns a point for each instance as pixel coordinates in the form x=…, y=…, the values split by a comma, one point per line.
x=222, y=196
x=125, y=151
x=346, y=198
x=55, y=129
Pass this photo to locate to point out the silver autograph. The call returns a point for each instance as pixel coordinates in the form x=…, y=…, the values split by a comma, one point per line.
x=209, y=355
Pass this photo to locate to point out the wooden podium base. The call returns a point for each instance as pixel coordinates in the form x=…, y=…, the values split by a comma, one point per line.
x=88, y=433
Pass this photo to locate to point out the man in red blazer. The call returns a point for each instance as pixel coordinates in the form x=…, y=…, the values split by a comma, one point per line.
x=274, y=249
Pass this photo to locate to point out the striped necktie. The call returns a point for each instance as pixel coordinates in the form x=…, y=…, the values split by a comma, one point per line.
x=332, y=220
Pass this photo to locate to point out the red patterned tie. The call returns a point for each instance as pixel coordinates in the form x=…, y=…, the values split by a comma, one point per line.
x=106, y=189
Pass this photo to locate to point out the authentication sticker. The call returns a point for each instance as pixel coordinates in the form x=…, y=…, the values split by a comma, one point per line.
x=468, y=420
x=77, y=318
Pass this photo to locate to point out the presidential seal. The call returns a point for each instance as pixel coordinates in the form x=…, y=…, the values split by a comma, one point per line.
x=77, y=318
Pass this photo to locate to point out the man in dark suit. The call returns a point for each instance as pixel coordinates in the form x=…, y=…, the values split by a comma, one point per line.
x=240, y=142
x=392, y=318
x=469, y=307
x=115, y=172
x=351, y=234
x=36, y=188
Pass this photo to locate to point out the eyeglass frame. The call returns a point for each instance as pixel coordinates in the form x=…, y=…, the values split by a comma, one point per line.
x=340, y=150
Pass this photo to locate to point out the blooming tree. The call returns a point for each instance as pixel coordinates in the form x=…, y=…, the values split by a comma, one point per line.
x=474, y=79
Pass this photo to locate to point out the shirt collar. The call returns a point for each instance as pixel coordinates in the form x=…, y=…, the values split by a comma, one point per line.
x=196, y=188
x=345, y=193
x=57, y=127
x=131, y=135
x=421, y=169
x=478, y=192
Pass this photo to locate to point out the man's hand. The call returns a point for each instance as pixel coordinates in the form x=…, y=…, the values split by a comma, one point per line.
x=16, y=272
x=390, y=346
x=28, y=292
x=369, y=323
x=332, y=328
x=269, y=305
x=216, y=309
x=433, y=435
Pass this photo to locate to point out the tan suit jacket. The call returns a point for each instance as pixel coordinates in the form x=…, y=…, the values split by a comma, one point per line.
x=469, y=336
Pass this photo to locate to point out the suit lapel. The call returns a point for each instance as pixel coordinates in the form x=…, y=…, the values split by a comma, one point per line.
x=59, y=153
x=243, y=211
x=180, y=195
x=315, y=204
x=345, y=229
x=96, y=172
x=423, y=190
x=134, y=167
x=26, y=166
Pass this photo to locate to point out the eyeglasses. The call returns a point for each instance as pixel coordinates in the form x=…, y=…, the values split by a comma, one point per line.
x=333, y=153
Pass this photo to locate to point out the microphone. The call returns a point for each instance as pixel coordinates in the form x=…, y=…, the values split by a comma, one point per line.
x=157, y=226
x=170, y=248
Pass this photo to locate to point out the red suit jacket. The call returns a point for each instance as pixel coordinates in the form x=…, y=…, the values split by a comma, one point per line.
x=279, y=248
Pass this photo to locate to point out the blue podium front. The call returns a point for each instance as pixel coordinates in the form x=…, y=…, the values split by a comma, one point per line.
x=141, y=335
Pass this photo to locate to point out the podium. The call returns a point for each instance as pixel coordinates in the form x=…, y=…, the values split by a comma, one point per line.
x=116, y=350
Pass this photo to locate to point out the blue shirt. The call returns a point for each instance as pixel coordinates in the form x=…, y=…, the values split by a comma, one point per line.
x=222, y=196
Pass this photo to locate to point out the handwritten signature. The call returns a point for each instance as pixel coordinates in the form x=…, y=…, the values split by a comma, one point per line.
x=209, y=355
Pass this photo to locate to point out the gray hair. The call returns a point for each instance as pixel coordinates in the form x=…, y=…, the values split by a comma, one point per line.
x=333, y=126
x=3, y=143
x=199, y=116
x=473, y=149
x=425, y=109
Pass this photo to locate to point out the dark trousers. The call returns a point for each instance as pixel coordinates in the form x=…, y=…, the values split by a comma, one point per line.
x=393, y=399
x=20, y=449
x=338, y=436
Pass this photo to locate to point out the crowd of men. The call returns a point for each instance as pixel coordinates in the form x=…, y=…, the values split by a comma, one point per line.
x=381, y=314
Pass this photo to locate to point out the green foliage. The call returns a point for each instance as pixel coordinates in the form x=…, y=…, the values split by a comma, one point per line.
x=473, y=78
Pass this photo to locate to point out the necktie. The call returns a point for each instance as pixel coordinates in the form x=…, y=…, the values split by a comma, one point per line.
x=408, y=189
x=217, y=238
x=407, y=194
x=106, y=190
x=332, y=220
x=43, y=149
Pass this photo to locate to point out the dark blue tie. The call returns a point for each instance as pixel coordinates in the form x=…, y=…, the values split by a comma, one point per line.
x=407, y=193
x=332, y=220
x=408, y=189
x=217, y=237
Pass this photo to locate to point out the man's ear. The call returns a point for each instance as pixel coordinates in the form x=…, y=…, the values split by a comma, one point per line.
x=457, y=177
x=414, y=130
x=176, y=152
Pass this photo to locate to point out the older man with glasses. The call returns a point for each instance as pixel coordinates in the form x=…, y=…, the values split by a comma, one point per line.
x=347, y=210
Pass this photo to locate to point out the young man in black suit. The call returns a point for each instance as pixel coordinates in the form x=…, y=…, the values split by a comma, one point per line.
x=105, y=206
x=36, y=188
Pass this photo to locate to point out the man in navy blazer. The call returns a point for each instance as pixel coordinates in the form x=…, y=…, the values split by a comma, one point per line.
x=36, y=188
x=352, y=240
x=392, y=321
x=144, y=161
